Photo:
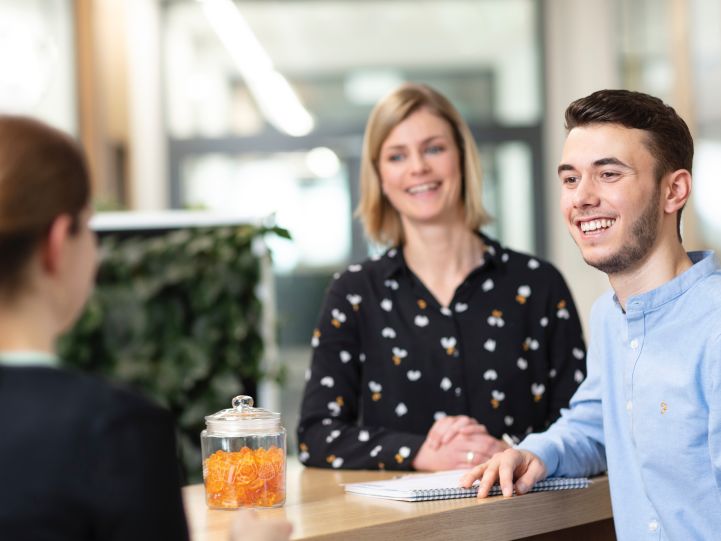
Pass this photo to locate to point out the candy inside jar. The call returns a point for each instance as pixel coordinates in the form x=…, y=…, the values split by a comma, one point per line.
x=244, y=457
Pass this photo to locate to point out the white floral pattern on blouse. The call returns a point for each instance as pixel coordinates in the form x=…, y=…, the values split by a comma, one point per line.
x=388, y=359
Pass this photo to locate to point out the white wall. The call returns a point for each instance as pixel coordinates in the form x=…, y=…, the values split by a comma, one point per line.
x=580, y=58
x=147, y=141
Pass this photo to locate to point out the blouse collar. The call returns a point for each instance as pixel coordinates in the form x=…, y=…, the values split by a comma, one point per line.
x=393, y=262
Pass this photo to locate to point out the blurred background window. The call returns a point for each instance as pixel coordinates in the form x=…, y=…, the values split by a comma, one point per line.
x=672, y=49
x=37, y=61
x=254, y=78
x=266, y=103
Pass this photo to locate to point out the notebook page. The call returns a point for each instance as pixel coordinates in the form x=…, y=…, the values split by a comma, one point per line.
x=406, y=484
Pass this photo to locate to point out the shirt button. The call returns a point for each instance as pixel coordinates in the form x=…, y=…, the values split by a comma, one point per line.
x=634, y=344
x=629, y=405
x=652, y=526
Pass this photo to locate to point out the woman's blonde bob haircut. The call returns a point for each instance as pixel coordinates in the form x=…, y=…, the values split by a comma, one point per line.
x=380, y=219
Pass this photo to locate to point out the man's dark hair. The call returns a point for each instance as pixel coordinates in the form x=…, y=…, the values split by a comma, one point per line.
x=669, y=139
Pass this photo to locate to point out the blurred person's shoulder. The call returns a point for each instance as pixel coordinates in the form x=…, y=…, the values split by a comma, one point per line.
x=85, y=394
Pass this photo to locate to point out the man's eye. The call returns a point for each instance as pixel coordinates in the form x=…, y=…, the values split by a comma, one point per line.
x=609, y=175
x=569, y=180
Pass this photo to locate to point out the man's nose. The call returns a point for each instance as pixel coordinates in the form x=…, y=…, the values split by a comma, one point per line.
x=585, y=194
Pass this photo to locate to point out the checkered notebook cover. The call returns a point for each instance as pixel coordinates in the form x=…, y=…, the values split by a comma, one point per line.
x=444, y=486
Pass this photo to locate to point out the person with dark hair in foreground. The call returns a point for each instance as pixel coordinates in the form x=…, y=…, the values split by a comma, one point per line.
x=81, y=459
x=650, y=409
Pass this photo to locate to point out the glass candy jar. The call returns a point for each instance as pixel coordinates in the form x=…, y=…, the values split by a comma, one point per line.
x=243, y=457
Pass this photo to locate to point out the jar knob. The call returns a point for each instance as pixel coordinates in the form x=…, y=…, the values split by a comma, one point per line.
x=242, y=401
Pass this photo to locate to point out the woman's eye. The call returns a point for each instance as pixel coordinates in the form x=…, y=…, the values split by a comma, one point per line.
x=435, y=149
x=394, y=157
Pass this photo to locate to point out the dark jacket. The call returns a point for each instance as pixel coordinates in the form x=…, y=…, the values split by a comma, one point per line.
x=83, y=460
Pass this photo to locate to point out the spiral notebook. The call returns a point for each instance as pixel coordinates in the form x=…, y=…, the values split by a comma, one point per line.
x=444, y=486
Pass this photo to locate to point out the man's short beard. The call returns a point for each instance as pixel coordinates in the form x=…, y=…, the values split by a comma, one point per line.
x=644, y=232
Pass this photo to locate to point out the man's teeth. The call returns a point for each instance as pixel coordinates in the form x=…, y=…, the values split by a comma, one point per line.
x=593, y=225
x=424, y=187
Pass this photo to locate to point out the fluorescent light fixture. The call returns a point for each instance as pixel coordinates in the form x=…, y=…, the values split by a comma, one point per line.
x=322, y=162
x=276, y=99
x=280, y=104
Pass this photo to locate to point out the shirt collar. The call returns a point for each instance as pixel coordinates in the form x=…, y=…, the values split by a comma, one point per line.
x=28, y=358
x=704, y=264
x=393, y=261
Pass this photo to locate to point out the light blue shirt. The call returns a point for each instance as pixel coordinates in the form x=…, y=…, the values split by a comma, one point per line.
x=650, y=409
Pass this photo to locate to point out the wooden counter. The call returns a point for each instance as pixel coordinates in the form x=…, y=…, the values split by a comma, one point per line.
x=319, y=509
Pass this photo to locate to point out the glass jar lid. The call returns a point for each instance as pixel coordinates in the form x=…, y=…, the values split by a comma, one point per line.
x=242, y=418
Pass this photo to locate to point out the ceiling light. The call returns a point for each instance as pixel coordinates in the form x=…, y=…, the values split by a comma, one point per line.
x=276, y=99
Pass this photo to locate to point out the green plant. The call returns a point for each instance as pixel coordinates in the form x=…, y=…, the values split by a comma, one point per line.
x=177, y=316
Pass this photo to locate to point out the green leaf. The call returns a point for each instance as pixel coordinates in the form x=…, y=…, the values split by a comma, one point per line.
x=177, y=317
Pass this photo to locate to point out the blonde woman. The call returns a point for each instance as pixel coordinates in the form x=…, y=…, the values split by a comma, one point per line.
x=449, y=347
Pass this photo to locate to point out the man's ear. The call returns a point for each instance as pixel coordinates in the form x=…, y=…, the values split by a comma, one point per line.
x=55, y=242
x=677, y=190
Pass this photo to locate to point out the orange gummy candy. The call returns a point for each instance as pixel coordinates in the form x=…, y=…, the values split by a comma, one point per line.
x=249, y=477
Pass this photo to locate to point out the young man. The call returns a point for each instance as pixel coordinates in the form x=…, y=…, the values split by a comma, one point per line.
x=650, y=409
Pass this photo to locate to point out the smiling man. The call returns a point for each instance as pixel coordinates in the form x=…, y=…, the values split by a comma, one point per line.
x=650, y=409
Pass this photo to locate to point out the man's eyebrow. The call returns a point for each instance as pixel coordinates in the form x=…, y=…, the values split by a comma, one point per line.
x=598, y=163
x=610, y=161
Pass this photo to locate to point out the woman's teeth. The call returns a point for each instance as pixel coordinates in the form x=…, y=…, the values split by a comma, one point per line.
x=423, y=187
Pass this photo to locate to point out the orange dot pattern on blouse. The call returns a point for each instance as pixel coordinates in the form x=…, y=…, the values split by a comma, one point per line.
x=245, y=478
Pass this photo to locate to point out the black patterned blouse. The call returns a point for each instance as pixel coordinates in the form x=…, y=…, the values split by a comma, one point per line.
x=388, y=359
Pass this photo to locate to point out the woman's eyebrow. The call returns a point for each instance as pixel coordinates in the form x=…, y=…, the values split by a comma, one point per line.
x=423, y=142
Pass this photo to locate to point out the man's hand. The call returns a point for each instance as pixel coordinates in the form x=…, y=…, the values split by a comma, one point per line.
x=523, y=467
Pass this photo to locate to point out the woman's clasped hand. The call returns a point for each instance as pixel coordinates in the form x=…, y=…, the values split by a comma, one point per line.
x=456, y=442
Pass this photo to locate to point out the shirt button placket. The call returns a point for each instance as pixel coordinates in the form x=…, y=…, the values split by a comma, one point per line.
x=635, y=327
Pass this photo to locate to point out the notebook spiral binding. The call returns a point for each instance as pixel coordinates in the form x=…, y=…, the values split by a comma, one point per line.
x=555, y=483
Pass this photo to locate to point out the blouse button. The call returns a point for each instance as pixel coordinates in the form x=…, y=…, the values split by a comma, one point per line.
x=634, y=344
x=652, y=526
x=629, y=405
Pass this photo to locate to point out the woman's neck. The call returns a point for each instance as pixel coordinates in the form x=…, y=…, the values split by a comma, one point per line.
x=442, y=257
x=26, y=327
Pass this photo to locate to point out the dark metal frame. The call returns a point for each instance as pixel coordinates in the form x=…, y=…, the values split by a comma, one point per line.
x=348, y=142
